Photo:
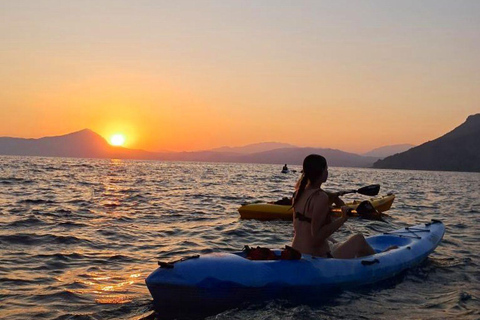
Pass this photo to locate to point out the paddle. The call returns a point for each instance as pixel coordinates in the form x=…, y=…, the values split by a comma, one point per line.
x=371, y=190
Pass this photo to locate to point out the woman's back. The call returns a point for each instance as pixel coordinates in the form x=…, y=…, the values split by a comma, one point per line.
x=310, y=213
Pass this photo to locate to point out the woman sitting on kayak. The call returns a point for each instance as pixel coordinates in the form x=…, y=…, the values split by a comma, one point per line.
x=312, y=222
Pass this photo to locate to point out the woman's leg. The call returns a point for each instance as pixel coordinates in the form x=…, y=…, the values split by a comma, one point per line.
x=356, y=246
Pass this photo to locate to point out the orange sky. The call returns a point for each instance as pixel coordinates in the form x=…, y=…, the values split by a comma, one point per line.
x=191, y=75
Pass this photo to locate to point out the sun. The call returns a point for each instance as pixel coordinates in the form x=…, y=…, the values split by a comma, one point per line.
x=117, y=139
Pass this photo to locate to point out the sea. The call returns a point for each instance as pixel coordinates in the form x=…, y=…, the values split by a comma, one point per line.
x=78, y=237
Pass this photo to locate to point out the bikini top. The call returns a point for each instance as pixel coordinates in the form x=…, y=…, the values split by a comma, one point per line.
x=301, y=216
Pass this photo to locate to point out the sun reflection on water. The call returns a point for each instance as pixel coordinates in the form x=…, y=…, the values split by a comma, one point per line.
x=104, y=289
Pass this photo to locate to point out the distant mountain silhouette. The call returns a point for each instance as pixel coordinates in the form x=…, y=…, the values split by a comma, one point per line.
x=292, y=156
x=256, y=147
x=335, y=158
x=386, y=151
x=80, y=144
x=88, y=144
x=458, y=150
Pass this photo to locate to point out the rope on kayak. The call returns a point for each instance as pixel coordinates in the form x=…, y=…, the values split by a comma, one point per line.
x=410, y=232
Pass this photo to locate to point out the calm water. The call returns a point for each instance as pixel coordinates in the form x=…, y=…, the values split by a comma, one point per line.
x=79, y=236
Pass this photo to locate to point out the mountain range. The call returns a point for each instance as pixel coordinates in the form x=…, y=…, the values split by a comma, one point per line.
x=88, y=144
x=80, y=144
x=256, y=147
x=458, y=150
x=386, y=151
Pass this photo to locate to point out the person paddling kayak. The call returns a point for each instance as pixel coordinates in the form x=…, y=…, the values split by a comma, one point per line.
x=311, y=220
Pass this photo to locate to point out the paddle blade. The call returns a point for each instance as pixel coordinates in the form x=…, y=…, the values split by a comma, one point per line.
x=371, y=190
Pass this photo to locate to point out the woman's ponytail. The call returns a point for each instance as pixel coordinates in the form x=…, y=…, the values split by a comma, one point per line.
x=300, y=187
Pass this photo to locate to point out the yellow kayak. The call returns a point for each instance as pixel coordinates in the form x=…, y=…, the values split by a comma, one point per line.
x=268, y=211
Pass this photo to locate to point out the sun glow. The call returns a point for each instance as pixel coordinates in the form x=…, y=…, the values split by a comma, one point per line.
x=117, y=140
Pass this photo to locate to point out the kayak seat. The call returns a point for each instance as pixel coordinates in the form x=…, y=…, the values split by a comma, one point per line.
x=260, y=253
x=290, y=254
x=381, y=243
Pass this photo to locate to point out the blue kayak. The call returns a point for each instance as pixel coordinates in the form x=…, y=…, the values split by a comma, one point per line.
x=230, y=278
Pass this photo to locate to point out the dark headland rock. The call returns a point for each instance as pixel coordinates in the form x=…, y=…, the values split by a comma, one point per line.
x=458, y=150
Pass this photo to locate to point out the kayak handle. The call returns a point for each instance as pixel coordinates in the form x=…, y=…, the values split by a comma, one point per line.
x=166, y=265
x=170, y=265
x=432, y=222
x=369, y=263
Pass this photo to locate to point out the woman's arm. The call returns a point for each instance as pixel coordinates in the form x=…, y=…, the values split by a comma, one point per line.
x=334, y=198
x=327, y=230
x=320, y=230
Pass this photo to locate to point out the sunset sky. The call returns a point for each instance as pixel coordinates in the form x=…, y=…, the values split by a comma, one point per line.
x=193, y=75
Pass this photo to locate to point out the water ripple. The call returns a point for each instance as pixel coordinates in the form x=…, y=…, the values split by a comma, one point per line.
x=89, y=231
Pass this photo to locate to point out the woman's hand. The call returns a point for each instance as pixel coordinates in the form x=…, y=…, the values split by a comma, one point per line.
x=346, y=213
x=334, y=198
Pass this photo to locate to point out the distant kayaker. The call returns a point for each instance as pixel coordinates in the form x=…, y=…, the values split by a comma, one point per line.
x=312, y=222
x=285, y=168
